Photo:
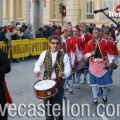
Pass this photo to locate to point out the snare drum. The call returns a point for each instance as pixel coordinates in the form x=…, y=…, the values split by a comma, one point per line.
x=78, y=66
x=45, y=89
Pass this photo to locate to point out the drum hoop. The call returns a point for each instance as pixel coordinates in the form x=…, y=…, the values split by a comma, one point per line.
x=47, y=96
x=37, y=82
x=41, y=80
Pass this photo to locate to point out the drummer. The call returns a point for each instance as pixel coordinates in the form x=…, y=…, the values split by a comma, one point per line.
x=57, y=67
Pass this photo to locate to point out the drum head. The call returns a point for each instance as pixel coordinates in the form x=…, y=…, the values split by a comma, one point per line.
x=44, y=85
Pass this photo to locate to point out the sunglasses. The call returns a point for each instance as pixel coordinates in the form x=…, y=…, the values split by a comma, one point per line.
x=53, y=43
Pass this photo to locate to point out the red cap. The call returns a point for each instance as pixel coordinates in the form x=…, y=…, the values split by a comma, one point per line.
x=76, y=28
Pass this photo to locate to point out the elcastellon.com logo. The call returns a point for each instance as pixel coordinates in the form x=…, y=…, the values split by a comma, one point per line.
x=113, y=14
x=32, y=110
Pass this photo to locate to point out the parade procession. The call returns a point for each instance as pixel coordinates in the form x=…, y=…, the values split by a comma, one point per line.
x=59, y=60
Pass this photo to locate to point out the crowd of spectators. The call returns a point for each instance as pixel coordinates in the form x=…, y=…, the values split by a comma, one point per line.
x=16, y=31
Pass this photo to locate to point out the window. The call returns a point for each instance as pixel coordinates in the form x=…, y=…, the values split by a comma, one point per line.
x=19, y=9
x=111, y=4
x=90, y=9
x=54, y=8
x=5, y=9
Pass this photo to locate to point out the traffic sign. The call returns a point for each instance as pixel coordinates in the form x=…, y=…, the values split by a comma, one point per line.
x=118, y=9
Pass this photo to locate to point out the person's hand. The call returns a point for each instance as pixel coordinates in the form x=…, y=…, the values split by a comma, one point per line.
x=61, y=74
x=37, y=74
x=93, y=53
x=15, y=32
x=109, y=65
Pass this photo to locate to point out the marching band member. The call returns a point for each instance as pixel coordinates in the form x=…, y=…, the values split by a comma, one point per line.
x=86, y=36
x=49, y=59
x=71, y=56
x=76, y=48
x=63, y=37
x=100, y=57
x=113, y=46
x=62, y=48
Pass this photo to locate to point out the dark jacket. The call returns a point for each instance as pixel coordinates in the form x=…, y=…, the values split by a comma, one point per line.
x=4, y=65
x=39, y=34
x=2, y=36
x=4, y=68
x=48, y=32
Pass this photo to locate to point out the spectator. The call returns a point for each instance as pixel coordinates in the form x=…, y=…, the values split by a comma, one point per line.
x=39, y=33
x=112, y=33
x=2, y=34
x=24, y=27
x=57, y=31
x=29, y=33
x=8, y=36
x=69, y=24
x=90, y=29
x=54, y=27
x=107, y=28
x=103, y=28
x=19, y=33
x=18, y=23
x=44, y=32
x=87, y=28
x=12, y=26
x=8, y=27
x=49, y=31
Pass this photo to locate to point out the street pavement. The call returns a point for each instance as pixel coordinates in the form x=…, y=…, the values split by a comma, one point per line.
x=20, y=82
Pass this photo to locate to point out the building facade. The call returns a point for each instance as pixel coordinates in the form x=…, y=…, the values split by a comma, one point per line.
x=14, y=10
x=79, y=11
x=23, y=11
x=42, y=12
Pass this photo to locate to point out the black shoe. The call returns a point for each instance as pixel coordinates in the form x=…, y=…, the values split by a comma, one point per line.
x=71, y=92
x=11, y=61
x=108, y=90
x=16, y=60
x=98, y=94
x=84, y=81
x=101, y=91
x=64, y=98
x=104, y=100
x=66, y=90
x=95, y=102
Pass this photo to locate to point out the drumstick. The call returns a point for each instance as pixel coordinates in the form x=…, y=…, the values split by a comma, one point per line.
x=64, y=78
